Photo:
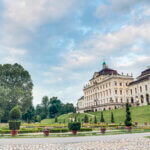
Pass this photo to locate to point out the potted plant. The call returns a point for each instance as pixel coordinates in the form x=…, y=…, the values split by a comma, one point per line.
x=136, y=123
x=74, y=127
x=14, y=122
x=128, y=123
x=103, y=129
x=46, y=131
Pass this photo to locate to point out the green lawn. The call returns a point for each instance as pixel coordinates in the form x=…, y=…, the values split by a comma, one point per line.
x=139, y=114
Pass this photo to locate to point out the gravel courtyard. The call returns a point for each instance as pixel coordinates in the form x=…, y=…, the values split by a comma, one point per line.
x=108, y=142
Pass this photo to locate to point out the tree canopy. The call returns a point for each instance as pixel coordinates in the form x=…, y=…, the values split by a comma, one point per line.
x=15, y=89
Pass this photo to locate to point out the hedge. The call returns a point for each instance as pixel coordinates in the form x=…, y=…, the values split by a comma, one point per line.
x=85, y=129
x=57, y=130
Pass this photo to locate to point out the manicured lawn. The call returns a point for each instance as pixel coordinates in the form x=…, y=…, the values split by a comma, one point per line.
x=139, y=114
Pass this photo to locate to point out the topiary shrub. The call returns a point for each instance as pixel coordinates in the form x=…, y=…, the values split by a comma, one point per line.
x=15, y=113
x=74, y=126
x=14, y=125
x=128, y=116
x=95, y=120
x=112, y=117
x=102, y=118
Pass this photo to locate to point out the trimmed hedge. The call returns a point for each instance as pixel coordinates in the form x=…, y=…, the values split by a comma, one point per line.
x=57, y=130
x=85, y=129
x=74, y=126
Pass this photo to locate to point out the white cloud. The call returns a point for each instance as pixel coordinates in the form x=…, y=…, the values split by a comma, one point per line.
x=118, y=7
x=12, y=55
x=30, y=13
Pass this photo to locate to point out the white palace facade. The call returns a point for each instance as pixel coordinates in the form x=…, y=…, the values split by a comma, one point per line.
x=109, y=90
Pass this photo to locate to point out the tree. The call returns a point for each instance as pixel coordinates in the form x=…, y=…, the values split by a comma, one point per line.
x=102, y=118
x=55, y=107
x=112, y=117
x=15, y=113
x=128, y=116
x=29, y=116
x=95, y=120
x=86, y=119
x=18, y=82
x=45, y=105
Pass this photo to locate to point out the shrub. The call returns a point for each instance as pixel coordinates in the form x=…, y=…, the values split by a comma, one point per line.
x=14, y=125
x=112, y=117
x=102, y=118
x=15, y=113
x=86, y=119
x=74, y=126
x=58, y=130
x=38, y=118
x=85, y=129
x=5, y=131
x=128, y=116
x=95, y=120
x=56, y=120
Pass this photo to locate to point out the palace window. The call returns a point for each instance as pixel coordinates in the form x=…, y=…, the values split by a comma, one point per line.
x=120, y=84
x=146, y=87
x=115, y=91
x=131, y=91
x=120, y=92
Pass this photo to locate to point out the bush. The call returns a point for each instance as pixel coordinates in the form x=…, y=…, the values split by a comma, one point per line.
x=58, y=130
x=95, y=120
x=102, y=118
x=74, y=126
x=85, y=129
x=15, y=113
x=14, y=125
x=112, y=117
x=128, y=116
x=86, y=119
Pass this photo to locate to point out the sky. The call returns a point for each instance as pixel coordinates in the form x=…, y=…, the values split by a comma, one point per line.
x=63, y=42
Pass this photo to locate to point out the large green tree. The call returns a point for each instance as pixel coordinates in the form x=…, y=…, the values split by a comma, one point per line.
x=29, y=116
x=19, y=86
x=55, y=107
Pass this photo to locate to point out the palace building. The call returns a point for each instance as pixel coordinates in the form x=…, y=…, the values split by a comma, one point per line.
x=108, y=90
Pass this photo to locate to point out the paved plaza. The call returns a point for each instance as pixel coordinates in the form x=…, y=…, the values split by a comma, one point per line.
x=106, y=142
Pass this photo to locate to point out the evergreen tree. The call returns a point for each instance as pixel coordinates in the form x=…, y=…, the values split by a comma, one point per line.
x=95, y=120
x=102, y=118
x=128, y=116
x=86, y=119
x=112, y=117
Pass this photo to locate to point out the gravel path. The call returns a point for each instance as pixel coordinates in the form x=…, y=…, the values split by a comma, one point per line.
x=108, y=142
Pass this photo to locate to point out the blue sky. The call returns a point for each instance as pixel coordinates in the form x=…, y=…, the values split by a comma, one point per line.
x=63, y=42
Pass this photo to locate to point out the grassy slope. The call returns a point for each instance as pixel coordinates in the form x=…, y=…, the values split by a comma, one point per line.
x=139, y=114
